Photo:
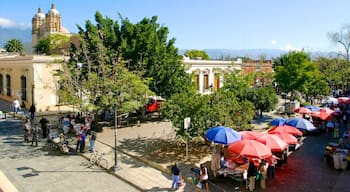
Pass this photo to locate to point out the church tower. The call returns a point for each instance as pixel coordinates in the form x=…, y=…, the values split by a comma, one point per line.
x=45, y=25
x=38, y=23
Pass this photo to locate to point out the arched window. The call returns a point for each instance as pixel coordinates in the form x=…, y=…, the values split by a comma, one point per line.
x=8, y=85
x=23, y=88
x=1, y=84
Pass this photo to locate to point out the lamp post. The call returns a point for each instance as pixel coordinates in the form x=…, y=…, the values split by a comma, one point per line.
x=116, y=165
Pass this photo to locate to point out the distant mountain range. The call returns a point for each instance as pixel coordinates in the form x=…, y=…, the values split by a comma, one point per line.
x=24, y=35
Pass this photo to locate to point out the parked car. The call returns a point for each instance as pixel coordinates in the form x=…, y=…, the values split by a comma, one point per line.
x=154, y=103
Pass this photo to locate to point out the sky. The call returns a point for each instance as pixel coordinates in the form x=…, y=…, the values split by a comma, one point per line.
x=207, y=24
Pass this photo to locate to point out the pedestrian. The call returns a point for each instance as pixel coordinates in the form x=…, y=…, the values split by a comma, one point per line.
x=262, y=172
x=252, y=172
x=43, y=124
x=204, y=177
x=16, y=106
x=92, y=140
x=83, y=137
x=32, y=112
x=27, y=129
x=271, y=167
x=23, y=107
x=175, y=173
x=79, y=140
x=34, y=133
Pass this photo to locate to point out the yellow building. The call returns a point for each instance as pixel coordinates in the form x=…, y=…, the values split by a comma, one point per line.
x=30, y=79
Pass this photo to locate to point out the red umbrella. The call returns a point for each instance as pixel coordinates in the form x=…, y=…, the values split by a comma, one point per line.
x=285, y=129
x=288, y=138
x=252, y=135
x=343, y=100
x=302, y=110
x=275, y=143
x=249, y=149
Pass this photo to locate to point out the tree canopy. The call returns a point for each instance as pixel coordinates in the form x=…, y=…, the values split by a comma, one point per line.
x=14, y=46
x=194, y=53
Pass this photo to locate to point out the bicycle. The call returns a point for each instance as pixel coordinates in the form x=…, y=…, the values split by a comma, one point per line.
x=97, y=158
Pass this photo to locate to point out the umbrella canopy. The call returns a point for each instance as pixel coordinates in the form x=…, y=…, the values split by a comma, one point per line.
x=273, y=142
x=285, y=129
x=222, y=135
x=288, y=138
x=343, y=100
x=312, y=108
x=302, y=110
x=331, y=100
x=278, y=121
x=252, y=135
x=301, y=123
x=250, y=149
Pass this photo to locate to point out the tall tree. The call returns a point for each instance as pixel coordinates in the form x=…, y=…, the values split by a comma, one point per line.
x=146, y=47
x=43, y=46
x=343, y=38
x=194, y=53
x=103, y=80
x=14, y=46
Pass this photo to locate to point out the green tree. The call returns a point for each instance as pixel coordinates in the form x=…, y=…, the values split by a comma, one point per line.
x=194, y=53
x=14, y=46
x=43, y=46
x=103, y=80
x=343, y=38
x=146, y=47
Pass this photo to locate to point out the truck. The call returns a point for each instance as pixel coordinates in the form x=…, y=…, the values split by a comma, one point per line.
x=154, y=103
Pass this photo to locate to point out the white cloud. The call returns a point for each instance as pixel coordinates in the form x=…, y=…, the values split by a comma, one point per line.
x=7, y=23
x=290, y=47
x=274, y=42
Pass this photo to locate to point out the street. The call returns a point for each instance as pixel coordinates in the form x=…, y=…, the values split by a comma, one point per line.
x=42, y=169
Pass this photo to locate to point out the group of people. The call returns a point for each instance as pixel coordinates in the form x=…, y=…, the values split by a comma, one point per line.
x=81, y=127
x=201, y=180
x=31, y=133
x=17, y=106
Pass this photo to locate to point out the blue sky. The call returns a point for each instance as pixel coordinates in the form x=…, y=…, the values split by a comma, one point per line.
x=207, y=24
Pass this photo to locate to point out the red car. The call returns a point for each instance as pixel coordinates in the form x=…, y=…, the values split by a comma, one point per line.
x=154, y=104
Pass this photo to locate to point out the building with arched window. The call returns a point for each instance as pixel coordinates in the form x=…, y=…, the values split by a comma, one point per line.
x=30, y=79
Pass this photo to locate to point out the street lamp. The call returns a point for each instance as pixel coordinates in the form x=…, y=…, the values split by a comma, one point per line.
x=116, y=165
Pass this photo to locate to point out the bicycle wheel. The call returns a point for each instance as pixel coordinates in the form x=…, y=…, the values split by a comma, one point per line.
x=93, y=158
x=103, y=163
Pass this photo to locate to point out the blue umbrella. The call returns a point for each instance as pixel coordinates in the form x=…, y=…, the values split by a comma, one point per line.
x=301, y=123
x=312, y=108
x=222, y=135
x=278, y=121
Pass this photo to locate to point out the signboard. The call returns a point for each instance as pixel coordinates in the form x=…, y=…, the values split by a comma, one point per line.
x=187, y=122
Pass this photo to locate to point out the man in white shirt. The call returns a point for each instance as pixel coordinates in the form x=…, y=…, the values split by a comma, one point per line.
x=16, y=105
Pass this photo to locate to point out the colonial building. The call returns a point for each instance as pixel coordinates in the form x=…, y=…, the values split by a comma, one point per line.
x=209, y=74
x=30, y=79
x=45, y=25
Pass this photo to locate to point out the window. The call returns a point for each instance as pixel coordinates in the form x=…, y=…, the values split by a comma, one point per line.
x=1, y=84
x=8, y=85
x=23, y=88
x=206, y=81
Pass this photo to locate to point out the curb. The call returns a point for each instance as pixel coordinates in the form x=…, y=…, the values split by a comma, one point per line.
x=109, y=171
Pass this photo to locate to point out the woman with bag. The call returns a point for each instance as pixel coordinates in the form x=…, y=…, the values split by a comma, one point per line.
x=203, y=179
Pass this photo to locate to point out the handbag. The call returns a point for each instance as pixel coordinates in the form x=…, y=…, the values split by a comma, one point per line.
x=180, y=182
x=199, y=185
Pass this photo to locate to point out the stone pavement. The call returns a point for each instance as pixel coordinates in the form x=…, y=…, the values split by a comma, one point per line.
x=26, y=168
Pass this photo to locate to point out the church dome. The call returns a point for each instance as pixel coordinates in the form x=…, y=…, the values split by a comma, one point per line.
x=39, y=15
x=53, y=10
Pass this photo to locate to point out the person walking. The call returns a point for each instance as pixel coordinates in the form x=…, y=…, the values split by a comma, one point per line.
x=32, y=112
x=16, y=106
x=175, y=172
x=92, y=140
x=23, y=107
x=43, y=124
x=27, y=129
x=204, y=177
